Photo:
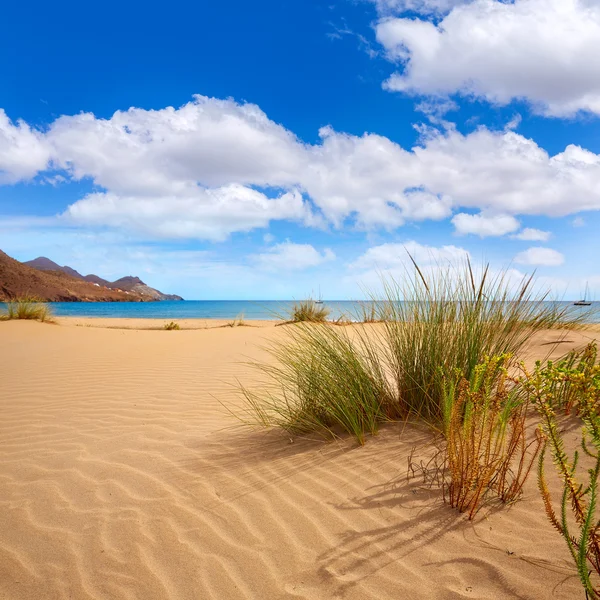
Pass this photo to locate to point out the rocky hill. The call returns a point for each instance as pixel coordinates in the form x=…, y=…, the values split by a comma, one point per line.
x=133, y=285
x=46, y=280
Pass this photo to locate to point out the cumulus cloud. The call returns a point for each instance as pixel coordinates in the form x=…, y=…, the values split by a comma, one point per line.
x=289, y=256
x=544, y=51
x=23, y=151
x=425, y=7
x=539, y=256
x=484, y=225
x=396, y=255
x=532, y=235
x=214, y=167
x=210, y=214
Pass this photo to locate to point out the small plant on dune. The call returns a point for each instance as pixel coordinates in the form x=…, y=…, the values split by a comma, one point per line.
x=172, y=326
x=487, y=452
x=308, y=311
x=322, y=381
x=237, y=322
x=29, y=308
x=579, y=364
x=368, y=313
x=577, y=520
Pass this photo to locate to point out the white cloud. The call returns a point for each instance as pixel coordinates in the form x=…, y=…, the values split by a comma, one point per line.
x=23, y=151
x=484, y=225
x=425, y=7
x=578, y=222
x=210, y=214
x=539, y=256
x=288, y=256
x=544, y=51
x=208, y=141
x=213, y=167
x=532, y=235
x=395, y=255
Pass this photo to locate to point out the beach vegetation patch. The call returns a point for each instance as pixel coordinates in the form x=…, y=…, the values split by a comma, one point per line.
x=323, y=380
x=29, y=308
x=488, y=451
x=308, y=311
x=572, y=383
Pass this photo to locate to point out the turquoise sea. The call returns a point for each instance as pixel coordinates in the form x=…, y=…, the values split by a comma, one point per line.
x=229, y=309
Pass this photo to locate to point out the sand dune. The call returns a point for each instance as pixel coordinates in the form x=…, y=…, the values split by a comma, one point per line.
x=122, y=477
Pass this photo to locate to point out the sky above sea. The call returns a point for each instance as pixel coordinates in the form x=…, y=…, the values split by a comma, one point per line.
x=280, y=149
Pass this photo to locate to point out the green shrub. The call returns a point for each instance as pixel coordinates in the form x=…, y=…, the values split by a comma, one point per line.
x=172, y=326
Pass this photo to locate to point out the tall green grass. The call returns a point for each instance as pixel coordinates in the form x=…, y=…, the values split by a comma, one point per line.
x=451, y=319
x=324, y=381
x=425, y=328
x=29, y=308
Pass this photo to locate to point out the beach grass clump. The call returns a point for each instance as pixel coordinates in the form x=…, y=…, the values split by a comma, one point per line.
x=237, y=322
x=172, y=326
x=308, y=311
x=29, y=308
x=432, y=326
x=577, y=518
x=488, y=451
x=448, y=320
x=323, y=381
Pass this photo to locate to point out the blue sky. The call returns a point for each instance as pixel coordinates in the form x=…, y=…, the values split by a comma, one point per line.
x=277, y=149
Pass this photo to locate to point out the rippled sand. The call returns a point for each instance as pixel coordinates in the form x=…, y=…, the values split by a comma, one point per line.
x=123, y=477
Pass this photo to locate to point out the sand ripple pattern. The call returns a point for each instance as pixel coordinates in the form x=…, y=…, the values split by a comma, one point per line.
x=121, y=478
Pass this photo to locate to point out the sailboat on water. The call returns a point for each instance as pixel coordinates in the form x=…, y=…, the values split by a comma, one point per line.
x=585, y=301
x=319, y=300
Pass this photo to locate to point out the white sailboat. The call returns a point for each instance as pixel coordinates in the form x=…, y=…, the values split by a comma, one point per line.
x=585, y=301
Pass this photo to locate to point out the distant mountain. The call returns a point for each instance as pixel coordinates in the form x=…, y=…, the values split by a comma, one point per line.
x=18, y=280
x=135, y=284
x=45, y=279
x=41, y=263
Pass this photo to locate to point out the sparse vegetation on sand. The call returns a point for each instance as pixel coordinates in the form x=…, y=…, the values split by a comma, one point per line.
x=323, y=381
x=29, y=308
x=487, y=450
x=434, y=325
x=172, y=326
x=572, y=385
x=237, y=322
x=441, y=354
x=308, y=311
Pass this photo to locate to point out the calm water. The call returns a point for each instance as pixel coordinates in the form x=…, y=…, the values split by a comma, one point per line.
x=228, y=309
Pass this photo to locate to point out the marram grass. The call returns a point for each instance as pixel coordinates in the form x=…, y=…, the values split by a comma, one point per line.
x=29, y=308
x=329, y=380
x=449, y=320
x=308, y=311
x=322, y=381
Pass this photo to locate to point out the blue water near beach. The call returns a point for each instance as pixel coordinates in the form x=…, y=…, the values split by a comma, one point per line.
x=230, y=309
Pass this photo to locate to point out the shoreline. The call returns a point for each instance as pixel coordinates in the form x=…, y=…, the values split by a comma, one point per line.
x=155, y=324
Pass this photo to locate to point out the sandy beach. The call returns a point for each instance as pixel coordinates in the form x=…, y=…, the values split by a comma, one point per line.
x=123, y=476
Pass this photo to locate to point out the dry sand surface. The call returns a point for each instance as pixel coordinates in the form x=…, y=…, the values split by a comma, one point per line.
x=122, y=478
